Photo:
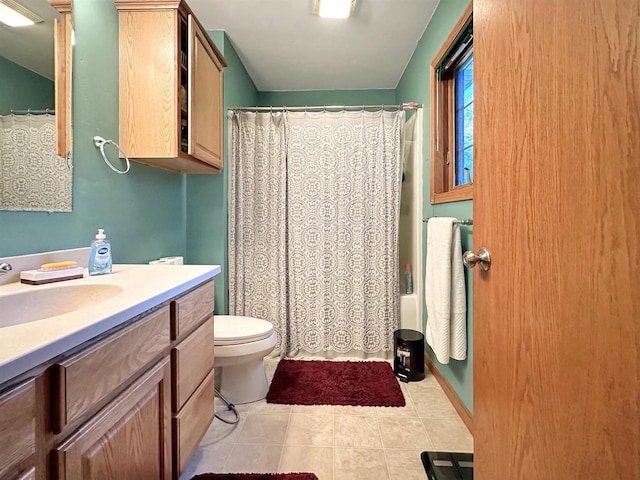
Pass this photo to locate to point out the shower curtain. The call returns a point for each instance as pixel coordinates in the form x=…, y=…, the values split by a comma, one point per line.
x=32, y=176
x=313, y=236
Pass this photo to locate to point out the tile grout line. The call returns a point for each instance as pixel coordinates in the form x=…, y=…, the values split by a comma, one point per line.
x=333, y=444
x=384, y=450
x=284, y=440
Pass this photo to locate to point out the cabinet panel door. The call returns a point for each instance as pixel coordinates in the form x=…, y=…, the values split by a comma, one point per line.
x=149, y=83
x=205, y=101
x=17, y=427
x=128, y=439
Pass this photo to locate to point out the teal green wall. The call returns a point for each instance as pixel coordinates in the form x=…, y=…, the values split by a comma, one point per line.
x=414, y=86
x=207, y=222
x=144, y=211
x=327, y=97
x=21, y=88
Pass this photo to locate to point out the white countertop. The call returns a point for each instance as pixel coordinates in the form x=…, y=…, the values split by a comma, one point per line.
x=23, y=347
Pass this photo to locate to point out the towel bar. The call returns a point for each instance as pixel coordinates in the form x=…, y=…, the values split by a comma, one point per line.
x=468, y=221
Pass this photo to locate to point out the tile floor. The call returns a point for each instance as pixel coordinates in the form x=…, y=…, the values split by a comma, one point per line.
x=335, y=442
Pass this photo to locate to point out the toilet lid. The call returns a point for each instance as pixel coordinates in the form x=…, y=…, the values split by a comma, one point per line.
x=233, y=329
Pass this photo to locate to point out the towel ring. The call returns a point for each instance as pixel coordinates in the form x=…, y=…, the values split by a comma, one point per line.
x=100, y=142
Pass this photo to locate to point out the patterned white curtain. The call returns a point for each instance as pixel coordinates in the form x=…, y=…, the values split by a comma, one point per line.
x=326, y=229
x=32, y=176
x=257, y=218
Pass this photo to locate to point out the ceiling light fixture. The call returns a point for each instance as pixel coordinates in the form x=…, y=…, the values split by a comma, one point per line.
x=15, y=15
x=334, y=8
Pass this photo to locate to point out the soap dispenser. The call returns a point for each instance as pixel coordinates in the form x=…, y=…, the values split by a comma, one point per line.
x=100, y=256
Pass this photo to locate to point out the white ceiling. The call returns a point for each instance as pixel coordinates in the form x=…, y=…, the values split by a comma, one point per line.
x=31, y=47
x=284, y=46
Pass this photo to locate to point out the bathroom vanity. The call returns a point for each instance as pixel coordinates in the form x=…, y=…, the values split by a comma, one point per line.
x=122, y=385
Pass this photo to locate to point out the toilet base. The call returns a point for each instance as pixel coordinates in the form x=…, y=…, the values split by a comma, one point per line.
x=243, y=383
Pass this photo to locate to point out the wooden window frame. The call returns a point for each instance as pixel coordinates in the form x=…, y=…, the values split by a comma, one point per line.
x=442, y=188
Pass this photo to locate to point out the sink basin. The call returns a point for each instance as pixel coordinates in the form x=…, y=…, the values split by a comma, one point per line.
x=31, y=305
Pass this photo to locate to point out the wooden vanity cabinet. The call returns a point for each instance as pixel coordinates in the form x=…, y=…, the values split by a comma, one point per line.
x=192, y=388
x=18, y=432
x=170, y=88
x=132, y=403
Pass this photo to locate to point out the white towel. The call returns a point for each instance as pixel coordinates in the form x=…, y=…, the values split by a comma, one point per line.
x=445, y=296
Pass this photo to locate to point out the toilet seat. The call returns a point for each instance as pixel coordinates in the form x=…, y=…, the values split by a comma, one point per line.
x=236, y=330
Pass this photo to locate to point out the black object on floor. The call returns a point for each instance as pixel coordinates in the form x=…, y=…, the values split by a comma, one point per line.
x=408, y=360
x=448, y=465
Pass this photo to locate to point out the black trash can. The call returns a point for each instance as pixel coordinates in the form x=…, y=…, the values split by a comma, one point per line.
x=408, y=360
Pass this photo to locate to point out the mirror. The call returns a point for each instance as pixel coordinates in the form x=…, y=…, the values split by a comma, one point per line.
x=35, y=78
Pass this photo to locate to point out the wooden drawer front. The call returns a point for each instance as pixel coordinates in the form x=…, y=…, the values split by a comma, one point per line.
x=192, y=360
x=84, y=380
x=17, y=427
x=190, y=425
x=190, y=309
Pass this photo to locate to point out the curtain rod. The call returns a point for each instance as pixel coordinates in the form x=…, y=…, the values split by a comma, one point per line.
x=322, y=108
x=30, y=111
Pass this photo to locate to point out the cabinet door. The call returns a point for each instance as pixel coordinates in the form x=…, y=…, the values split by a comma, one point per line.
x=148, y=83
x=62, y=43
x=17, y=428
x=128, y=439
x=205, y=100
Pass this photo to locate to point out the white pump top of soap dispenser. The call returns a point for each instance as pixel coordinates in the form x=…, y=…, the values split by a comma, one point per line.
x=101, y=235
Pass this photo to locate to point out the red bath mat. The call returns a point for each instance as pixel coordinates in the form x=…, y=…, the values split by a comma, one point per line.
x=255, y=476
x=313, y=382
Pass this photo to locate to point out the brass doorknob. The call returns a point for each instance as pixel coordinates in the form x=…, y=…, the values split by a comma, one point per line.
x=483, y=257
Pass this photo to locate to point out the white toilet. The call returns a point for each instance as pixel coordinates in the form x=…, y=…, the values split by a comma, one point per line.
x=240, y=345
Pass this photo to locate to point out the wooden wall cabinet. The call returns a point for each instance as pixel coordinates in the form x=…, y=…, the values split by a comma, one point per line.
x=170, y=88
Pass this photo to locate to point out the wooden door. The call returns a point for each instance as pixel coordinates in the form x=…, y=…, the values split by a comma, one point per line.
x=205, y=102
x=128, y=440
x=557, y=203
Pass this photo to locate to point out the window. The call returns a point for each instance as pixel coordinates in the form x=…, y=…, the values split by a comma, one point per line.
x=452, y=115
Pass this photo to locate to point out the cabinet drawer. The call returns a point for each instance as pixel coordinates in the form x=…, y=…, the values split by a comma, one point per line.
x=192, y=360
x=190, y=309
x=17, y=427
x=86, y=379
x=190, y=425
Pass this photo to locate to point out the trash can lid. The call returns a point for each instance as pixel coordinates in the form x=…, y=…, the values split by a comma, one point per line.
x=409, y=335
